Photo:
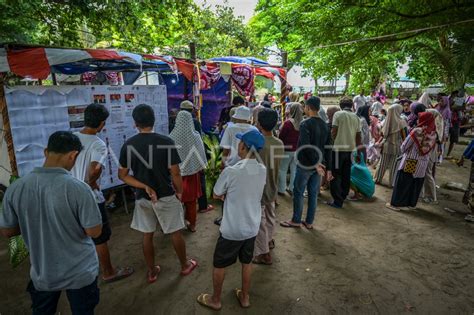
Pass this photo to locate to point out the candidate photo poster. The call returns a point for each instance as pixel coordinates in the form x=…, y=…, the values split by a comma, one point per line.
x=36, y=112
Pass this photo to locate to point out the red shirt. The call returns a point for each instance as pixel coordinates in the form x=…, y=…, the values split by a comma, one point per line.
x=289, y=135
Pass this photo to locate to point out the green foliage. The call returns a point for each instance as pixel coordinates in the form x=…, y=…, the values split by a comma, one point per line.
x=139, y=26
x=214, y=163
x=305, y=27
x=17, y=250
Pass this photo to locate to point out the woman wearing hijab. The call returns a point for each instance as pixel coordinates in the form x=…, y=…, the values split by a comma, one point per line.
x=416, y=108
x=330, y=113
x=429, y=186
x=445, y=110
x=364, y=115
x=394, y=131
x=425, y=100
x=289, y=134
x=193, y=160
x=411, y=173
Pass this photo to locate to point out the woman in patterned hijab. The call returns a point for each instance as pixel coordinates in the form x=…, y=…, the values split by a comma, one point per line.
x=193, y=160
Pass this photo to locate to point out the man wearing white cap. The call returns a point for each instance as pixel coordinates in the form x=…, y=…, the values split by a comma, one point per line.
x=229, y=141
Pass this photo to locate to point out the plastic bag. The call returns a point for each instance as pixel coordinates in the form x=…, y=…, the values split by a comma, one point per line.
x=361, y=178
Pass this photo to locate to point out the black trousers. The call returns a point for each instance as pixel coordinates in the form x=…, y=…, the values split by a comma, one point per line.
x=341, y=170
x=202, y=201
x=406, y=190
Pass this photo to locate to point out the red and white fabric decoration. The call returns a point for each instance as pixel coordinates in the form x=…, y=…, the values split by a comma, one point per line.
x=35, y=63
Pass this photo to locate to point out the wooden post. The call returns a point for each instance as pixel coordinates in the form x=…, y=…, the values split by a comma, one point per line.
x=7, y=131
x=284, y=88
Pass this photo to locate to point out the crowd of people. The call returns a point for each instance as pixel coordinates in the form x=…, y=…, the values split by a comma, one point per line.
x=59, y=208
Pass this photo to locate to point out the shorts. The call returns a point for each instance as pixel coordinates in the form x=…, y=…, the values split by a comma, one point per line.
x=227, y=251
x=106, y=231
x=454, y=134
x=167, y=211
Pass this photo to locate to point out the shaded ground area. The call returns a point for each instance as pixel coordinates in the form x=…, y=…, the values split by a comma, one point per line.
x=360, y=259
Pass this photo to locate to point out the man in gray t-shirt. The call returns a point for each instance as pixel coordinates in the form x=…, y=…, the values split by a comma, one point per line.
x=56, y=215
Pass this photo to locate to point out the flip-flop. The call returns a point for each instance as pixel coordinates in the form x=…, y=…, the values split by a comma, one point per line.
x=288, y=224
x=469, y=218
x=121, y=273
x=190, y=229
x=190, y=269
x=209, y=208
x=203, y=299
x=308, y=226
x=237, y=295
x=152, y=279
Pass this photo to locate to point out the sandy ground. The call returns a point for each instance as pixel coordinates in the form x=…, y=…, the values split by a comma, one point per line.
x=360, y=259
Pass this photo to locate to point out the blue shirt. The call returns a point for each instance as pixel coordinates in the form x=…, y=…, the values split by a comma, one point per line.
x=52, y=209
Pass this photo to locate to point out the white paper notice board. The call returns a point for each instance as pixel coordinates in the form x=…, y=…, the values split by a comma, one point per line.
x=36, y=112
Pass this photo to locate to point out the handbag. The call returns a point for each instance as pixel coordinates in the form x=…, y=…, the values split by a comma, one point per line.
x=410, y=166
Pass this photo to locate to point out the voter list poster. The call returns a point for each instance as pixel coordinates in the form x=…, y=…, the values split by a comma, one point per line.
x=35, y=112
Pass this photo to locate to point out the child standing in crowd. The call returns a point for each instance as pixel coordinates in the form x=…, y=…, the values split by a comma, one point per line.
x=154, y=160
x=56, y=215
x=270, y=155
x=241, y=188
x=88, y=168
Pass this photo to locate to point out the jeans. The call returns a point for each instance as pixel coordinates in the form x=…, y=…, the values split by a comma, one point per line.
x=288, y=161
x=82, y=301
x=311, y=180
x=341, y=170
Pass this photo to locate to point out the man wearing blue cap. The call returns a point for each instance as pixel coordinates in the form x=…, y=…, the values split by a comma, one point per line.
x=241, y=188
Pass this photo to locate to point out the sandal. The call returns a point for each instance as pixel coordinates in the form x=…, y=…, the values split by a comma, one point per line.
x=289, y=224
x=308, y=226
x=469, y=218
x=238, y=293
x=271, y=244
x=204, y=298
x=151, y=278
x=259, y=260
x=191, y=228
x=188, y=270
x=121, y=273
x=389, y=206
x=209, y=208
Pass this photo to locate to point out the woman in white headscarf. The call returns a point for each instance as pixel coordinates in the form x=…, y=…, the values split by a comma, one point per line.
x=193, y=160
x=289, y=134
x=394, y=131
x=429, y=186
x=425, y=100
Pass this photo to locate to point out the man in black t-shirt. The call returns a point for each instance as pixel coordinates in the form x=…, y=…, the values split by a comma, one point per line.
x=154, y=160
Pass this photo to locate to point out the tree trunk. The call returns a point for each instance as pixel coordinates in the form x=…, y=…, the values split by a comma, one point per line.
x=347, y=75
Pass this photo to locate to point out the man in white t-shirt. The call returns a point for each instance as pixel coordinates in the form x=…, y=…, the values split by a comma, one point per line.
x=359, y=100
x=241, y=124
x=88, y=168
x=241, y=188
x=376, y=107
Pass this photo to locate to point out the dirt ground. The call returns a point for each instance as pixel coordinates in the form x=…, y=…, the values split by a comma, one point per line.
x=360, y=259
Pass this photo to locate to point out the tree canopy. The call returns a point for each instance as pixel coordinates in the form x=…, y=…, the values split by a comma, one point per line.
x=138, y=26
x=311, y=31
